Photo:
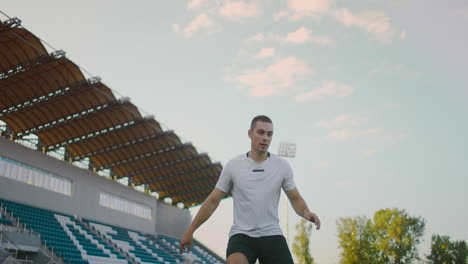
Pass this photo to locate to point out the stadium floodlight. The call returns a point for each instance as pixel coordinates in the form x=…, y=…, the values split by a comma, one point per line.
x=287, y=150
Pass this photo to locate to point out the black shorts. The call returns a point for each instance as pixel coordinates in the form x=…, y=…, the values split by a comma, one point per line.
x=267, y=249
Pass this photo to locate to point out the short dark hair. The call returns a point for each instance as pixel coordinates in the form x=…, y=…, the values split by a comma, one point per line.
x=261, y=118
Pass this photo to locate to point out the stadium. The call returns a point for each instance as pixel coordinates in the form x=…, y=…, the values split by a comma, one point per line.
x=84, y=176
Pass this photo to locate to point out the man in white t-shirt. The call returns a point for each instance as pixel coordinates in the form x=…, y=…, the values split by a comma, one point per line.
x=254, y=180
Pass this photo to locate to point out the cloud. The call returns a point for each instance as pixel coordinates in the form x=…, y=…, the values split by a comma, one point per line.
x=309, y=5
x=282, y=75
x=304, y=35
x=328, y=89
x=342, y=120
x=300, y=36
x=202, y=22
x=280, y=15
x=403, y=34
x=375, y=23
x=344, y=183
x=257, y=38
x=239, y=11
x=265, y=53
x=345, y=134
x=194, y=4
x=300, y=9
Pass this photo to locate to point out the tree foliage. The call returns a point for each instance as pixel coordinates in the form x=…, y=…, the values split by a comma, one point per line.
x=397, y=235
x=301, y=243
x=356, y=238
x=391, y=238
x=443, y=251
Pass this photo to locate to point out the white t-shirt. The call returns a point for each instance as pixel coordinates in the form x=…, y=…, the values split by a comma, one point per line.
x=256, y=188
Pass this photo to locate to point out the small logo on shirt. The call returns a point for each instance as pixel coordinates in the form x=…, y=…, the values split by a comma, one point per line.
x=258, y=170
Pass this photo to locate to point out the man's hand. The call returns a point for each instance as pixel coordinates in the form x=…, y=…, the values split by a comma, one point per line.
x=187, y=239
x=312, y=218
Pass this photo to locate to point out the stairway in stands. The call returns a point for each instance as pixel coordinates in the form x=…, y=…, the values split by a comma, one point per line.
x=79, y=241
x=62, y=234
x=172, y=245
x=135, y=244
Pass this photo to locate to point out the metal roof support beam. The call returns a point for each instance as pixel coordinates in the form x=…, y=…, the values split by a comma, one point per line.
x=71, y=117
x=98, y=133
x=179, y=184
x=10, y=24
x=145, y=156
x=26, y=66
x=165, y=165
x=45, y=98
x=177, y=174
x=192, y=190
x=125, y=144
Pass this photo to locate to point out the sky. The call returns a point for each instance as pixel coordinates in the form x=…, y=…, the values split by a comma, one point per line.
x=373, y=92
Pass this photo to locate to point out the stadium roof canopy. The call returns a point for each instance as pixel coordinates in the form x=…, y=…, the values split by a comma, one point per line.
x=47, y=95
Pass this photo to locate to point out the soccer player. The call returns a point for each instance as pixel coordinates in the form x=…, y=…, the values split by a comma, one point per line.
x=254, y=180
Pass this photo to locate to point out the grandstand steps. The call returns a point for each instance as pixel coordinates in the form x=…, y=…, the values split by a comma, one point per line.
x=168, y=249
x=5, y=217
x=137, y=245
x=9, y=217
x=6, y=257
x=38, y=254
x=106, y=240
x=66, y=239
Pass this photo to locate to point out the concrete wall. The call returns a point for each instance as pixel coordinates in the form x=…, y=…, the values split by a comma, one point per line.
x=84, y=201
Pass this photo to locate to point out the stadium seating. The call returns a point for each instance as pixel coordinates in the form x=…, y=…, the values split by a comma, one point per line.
x=77, y=241
x=64, y=235
x=135, y=244
x=173, y=245
x=4, y=220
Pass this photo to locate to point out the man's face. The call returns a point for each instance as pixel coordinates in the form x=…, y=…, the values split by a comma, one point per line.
x=261, y=136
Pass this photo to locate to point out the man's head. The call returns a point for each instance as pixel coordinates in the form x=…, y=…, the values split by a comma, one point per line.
x=260, y=134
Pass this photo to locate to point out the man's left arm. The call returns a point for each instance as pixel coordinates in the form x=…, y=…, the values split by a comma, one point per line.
x=301, y=208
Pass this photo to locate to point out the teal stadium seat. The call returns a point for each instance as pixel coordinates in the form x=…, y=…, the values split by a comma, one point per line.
x=4, y=221
x=135, y=244
x=64, y=235
x=76, y=244
x=202, y=256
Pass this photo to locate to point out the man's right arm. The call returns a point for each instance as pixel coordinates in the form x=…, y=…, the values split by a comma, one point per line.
x=206, y=210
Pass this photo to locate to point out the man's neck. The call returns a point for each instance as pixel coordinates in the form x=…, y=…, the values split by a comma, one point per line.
x=258, y=157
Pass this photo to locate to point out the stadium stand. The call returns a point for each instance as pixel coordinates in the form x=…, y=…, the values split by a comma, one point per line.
x=134, y=243
x=4, y=220
x=64, y=235
x=49, y=108
x=79, y=241
x=197, y=249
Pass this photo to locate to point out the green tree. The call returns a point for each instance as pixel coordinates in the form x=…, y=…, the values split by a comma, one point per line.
x=391, y=238
x=302, y=242
x=356, y=238
x=396, y=236
x=460, y=252
x=440, y=250
x=443, y=251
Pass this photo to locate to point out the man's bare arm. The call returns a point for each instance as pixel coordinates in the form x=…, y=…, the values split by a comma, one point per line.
x=301, y=208
x=206, y=210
